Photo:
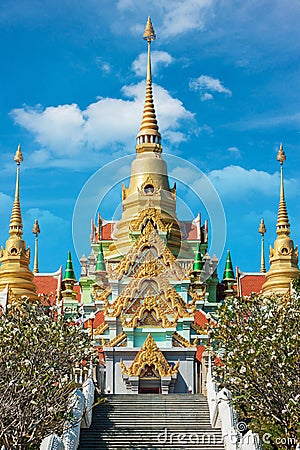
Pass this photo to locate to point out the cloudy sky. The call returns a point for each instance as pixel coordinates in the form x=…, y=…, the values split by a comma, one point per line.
x=226, y=87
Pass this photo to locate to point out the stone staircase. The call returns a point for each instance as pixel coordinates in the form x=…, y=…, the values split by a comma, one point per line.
x=151, y=421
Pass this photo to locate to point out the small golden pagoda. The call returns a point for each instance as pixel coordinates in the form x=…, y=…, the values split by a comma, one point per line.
x=284, y=256
x=15, y=258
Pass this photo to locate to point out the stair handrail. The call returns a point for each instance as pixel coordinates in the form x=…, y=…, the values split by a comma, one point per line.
x=224, y=416
x=82, y=401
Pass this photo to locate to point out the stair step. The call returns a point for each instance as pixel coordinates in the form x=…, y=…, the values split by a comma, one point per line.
x=151, y=421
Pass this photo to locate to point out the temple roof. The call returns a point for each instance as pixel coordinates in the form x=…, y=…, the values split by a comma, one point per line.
x=49, y=284
x=249, y=282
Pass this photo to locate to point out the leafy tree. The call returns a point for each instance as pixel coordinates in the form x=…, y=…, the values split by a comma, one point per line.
x=258, y=340
x=38, y=351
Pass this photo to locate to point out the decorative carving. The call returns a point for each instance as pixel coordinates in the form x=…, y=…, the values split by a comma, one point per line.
x=149, y=313
x=149, y=372
x=149, y=250
x=177, y=338
x=149, y=182
x=200, y=330
x=118, y=340
x=101, y=328
x=136, y=298
x=150, y=356
x=100, y=293
x=150, y=215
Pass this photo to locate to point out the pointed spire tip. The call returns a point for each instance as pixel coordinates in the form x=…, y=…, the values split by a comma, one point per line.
x=18, y=156
x=281, y=157
x=149, y=33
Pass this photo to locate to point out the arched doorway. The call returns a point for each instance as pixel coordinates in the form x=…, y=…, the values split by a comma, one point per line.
x=149, y=382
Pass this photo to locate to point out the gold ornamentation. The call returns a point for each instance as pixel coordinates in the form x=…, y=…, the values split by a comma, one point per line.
x=100, y=293
x=118, y=340
x=149, y=182
x=133, y=303
x=180, y=340
x=150, y=312
x=200, y=330
x=149, y=249
x=149, y=214
x=101, y=328
x=150, y=355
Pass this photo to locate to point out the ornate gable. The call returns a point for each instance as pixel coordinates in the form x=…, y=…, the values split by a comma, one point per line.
x=149, y=360
x=149, y=295
x=149, y=254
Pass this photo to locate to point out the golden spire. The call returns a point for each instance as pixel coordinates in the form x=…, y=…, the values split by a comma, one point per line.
x=15, y=258
x=36, y=231
x=283, y=256
x=262, y=230
x=283, y=225
x=16, y=225
x=149, y=133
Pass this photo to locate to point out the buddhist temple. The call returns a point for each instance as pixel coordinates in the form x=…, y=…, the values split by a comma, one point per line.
x=148, y=289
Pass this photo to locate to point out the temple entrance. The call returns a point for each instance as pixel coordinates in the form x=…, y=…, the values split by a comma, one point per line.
x=149, y=386
x=149, y=390
x=149, y=382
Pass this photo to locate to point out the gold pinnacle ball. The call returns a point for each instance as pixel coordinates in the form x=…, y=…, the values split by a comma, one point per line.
x=281, y=155
x=18, y=156
x=262, y=228
x=36, y=228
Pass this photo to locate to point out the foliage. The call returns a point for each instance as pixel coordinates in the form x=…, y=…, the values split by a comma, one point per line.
x=38, y=350
x=258, y=340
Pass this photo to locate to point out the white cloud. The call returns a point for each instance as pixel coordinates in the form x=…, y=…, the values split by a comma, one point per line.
x=206, y=96
x=207, y=85
x=103, y=65
x=158, y=58
x=234, y=151
x=6, y=203
x=179, y=16
x=235, y=182
x=43, y=215
x=68, y=136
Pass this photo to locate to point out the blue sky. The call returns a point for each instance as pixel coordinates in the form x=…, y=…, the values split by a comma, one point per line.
x=226, y=87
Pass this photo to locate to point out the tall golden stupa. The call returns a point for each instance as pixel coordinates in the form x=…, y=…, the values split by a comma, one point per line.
x=284, y=256
x=15, y=258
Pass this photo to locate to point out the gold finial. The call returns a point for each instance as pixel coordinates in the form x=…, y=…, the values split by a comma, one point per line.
x=36, y=228
x=262, y=230
x=18, y=156
x=283, y=225
x=281, y=155
x=149, y=133
x=16, y=225
x=149, y=33
x=262, y=227
x=36, y=231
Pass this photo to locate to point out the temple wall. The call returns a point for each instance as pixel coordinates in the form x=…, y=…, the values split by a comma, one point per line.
x=185, y=377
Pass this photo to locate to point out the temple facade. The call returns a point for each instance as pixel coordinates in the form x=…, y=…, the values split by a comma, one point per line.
x=149, y=276
x=148, y=290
